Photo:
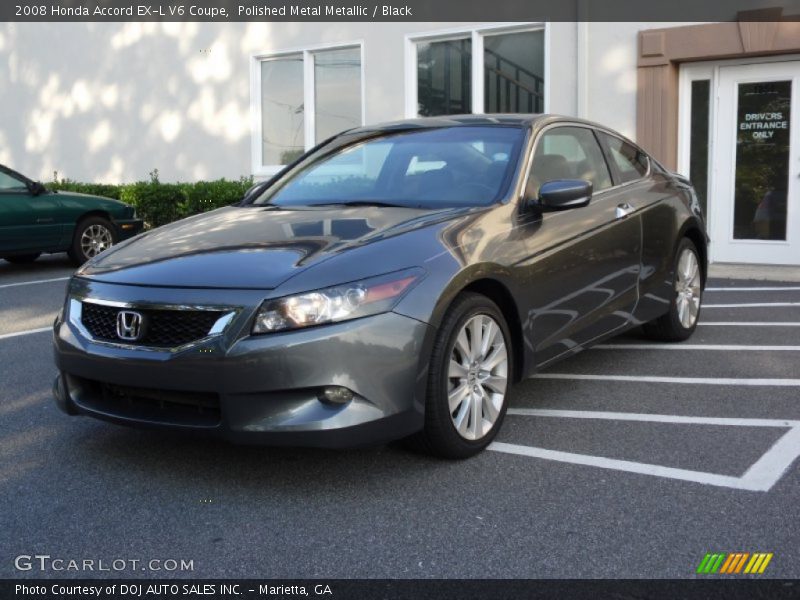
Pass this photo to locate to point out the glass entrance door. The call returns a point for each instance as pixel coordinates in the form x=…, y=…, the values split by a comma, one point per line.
x=755, y=196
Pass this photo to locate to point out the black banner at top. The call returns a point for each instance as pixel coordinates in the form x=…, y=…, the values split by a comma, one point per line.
x=397, y=10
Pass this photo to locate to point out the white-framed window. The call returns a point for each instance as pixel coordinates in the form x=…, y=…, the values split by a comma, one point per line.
x=695, y=126
x=493, y=69
x=300, y=97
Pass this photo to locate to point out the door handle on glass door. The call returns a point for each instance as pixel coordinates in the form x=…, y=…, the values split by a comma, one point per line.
x=623, y=210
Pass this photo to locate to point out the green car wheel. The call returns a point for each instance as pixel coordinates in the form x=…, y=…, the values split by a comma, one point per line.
x=92, y=236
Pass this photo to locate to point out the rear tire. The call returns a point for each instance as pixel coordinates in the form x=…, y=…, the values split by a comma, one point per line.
x=22, y=259
x=92, y=236
x=470, y=373
x=680, y=321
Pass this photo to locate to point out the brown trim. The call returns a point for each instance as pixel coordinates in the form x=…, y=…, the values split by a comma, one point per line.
x=762, y=32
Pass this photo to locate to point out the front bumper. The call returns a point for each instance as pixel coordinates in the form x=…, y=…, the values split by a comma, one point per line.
x=127, y=228
x=257, y=389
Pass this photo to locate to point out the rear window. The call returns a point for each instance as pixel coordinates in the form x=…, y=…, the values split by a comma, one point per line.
x=631, y=162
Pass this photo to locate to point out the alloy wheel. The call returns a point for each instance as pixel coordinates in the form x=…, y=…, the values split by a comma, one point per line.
x=95, y=239
x=687, y=286
x=477, y=377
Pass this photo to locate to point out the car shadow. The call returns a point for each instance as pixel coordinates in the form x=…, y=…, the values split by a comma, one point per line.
x=48, y=264
x=191, y=462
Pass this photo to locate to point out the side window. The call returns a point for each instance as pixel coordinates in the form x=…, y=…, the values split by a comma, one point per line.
x=11, y=184
x=631, y=162
x=568, y=153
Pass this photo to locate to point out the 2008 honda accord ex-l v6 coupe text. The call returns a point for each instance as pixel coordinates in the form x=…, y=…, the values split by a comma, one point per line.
x=393, y=282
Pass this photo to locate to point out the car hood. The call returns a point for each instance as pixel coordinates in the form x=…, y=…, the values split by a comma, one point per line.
x=82, y=198
x=251, y=247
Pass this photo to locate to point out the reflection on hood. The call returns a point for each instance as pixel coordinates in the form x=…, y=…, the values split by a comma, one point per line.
x=250, y=247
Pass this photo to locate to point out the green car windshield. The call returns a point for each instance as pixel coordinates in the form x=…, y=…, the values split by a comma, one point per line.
x=426, y=168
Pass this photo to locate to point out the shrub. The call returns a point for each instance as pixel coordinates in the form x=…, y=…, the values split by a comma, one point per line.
x=156, y=203
x=161, y=203
x=95, y=189
x=208, y=195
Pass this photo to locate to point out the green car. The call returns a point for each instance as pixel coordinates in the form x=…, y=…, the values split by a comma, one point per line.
x=34, y=220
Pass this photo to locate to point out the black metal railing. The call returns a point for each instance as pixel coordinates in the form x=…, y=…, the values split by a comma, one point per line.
x=508, y=86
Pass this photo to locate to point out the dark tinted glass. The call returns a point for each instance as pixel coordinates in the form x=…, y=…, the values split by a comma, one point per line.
x=698, y=144
x=513, y=68
x=762, y=160
x=568, y=153
x=444, y=77
x=631, y=162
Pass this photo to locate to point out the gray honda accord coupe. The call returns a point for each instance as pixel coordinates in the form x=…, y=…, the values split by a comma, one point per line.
x=393, y=282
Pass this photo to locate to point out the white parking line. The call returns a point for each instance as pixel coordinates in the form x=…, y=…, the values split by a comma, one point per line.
x=651, y=417
x=723, y=347
x=5, y=336
x=684, y=380
x=619, y=465
x=753, y=289
x=749, y=324
x=761, y=476
x=751, y=305
x=19, y=283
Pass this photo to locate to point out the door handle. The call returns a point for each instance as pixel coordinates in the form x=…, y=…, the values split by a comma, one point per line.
x=46, y=220
x=623, y=210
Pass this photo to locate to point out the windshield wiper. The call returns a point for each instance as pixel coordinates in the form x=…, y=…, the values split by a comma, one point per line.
x=364, y=203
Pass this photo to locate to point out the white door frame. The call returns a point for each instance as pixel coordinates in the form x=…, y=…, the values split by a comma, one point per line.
x=724, y=160
x=720, y=180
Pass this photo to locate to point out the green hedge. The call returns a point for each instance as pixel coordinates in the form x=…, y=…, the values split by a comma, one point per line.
x=160, y=203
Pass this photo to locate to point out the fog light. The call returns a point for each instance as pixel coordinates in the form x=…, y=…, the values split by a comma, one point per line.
x=336, y=394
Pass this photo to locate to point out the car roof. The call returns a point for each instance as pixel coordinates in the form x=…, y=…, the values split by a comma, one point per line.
x=513, y=120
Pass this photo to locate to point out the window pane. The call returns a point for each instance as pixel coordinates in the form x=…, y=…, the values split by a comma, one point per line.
x=444, y=77
x=629, y=160
x=282, y=110
x=698, y=142
x=568, y=153
x=513, y=66
x=337, y=93
x=7, y=182
x=762, y=160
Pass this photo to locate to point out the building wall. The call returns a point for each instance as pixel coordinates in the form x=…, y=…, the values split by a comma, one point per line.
x=111, y=102
x=611, y=59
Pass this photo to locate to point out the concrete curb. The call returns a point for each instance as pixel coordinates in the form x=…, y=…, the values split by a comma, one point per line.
x=755, y=272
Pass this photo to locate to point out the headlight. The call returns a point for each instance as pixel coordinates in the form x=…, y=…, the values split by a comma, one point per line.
x=339, y=303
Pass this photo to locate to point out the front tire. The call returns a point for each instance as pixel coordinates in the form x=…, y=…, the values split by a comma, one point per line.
x=92, y=236
x=471, y=368
x=680, y=321
x=23, y=259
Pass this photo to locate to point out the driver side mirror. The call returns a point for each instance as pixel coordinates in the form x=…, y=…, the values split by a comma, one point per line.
x=564, y=194
x=37, y=188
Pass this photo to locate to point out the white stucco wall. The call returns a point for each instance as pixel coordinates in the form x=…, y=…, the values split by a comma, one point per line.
x=111, y=102
x=610, y=66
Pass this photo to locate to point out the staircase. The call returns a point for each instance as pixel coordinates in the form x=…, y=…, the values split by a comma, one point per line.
x=508, y=86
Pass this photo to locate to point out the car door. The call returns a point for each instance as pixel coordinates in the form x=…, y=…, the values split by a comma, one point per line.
x=28, y=222
x=583, y=262
x=645, y=192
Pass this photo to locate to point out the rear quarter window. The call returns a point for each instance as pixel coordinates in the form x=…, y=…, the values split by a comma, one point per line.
x=630, y=162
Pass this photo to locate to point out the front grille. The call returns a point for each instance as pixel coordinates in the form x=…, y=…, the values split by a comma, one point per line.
x=198, y=409
x=161, y=328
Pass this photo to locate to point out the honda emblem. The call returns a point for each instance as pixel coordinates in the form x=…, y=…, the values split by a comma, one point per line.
x=129, y=325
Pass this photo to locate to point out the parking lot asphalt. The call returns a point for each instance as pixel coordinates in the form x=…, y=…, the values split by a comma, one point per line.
x=630, y=460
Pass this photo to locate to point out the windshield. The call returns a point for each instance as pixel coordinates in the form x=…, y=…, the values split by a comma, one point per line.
x=430, y=168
